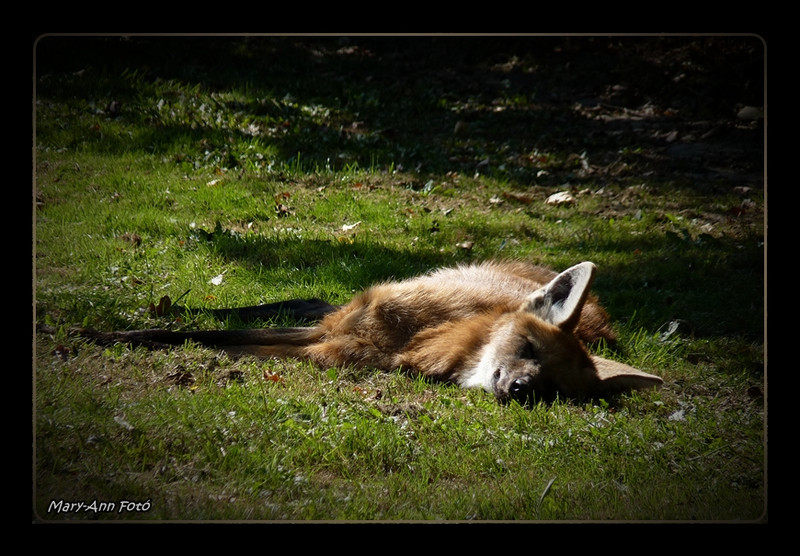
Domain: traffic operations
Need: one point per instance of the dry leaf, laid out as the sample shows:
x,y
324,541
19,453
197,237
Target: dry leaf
x,y
132,238
163,307
123,423
524,198
560,198
750,113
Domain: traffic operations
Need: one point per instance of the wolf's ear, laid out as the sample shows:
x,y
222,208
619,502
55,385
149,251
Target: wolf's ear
x,y
560,302
618,377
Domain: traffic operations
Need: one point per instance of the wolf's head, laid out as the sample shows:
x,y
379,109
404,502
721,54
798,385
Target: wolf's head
x,y
532,352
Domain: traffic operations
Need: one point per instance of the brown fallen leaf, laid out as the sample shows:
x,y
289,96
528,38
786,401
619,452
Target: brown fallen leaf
x,y
132,238
525,198
163,307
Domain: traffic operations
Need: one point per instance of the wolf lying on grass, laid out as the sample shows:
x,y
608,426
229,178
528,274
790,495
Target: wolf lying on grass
x,y
511,328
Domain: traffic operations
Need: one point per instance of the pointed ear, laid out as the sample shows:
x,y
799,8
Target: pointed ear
x,y
560,302
617,377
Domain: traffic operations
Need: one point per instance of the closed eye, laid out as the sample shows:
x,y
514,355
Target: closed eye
x,y
528,352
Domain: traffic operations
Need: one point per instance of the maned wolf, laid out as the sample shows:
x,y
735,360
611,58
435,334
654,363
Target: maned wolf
x,y
511,328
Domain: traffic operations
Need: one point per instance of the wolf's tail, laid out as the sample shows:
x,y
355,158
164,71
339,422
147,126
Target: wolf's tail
x,y
265,342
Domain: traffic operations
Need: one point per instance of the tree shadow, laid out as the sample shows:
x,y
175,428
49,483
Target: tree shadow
x,y
709,291
519,108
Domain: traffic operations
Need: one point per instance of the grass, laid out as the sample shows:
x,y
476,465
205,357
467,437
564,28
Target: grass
x,y
246,171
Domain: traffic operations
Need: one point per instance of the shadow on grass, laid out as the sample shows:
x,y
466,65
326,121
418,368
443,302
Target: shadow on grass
x,y
523,104
355,265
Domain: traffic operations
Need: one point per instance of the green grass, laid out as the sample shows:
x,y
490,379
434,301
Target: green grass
x,y
290,168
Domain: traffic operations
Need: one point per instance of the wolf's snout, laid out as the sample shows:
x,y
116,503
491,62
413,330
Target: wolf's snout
x,y
521,388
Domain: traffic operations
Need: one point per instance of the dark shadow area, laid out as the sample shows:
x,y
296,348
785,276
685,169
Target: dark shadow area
x,y
533,110
711,283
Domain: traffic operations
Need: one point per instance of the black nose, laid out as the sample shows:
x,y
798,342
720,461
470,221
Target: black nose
x,y
520,389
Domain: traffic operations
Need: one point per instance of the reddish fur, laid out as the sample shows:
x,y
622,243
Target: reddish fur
x,y
435,324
